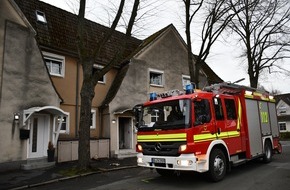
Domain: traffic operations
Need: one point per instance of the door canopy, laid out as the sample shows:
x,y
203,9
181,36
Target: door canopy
x,y
46,109
52,110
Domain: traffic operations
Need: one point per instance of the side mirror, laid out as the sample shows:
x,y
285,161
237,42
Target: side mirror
x,y
137,112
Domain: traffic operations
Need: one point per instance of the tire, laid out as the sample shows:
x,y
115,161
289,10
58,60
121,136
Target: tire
x,y
267,152
164,172
217,165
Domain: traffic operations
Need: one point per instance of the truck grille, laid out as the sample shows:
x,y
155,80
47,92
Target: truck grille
x,y
161,148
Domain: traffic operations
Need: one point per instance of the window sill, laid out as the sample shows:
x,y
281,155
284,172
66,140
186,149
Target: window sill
x,y
101,82
156,85
56,75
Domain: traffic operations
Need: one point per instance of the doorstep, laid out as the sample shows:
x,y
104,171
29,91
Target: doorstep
x,y
37,163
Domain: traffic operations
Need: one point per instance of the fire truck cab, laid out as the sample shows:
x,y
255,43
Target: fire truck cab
x,y
206,130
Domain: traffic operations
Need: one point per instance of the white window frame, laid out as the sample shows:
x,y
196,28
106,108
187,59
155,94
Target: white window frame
x,y
58,58
154,117
40,16
280,126
93,114
185,78
66,131
155,71
96,66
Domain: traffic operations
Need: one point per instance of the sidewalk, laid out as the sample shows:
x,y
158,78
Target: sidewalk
x,y
21,179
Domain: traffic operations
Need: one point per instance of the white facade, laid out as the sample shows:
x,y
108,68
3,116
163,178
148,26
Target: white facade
x,y
283,113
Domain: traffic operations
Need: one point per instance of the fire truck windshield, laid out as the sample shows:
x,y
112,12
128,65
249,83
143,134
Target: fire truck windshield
x,y
165,115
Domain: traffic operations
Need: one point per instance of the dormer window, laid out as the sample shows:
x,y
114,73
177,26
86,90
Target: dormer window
x,y
40,16
282,110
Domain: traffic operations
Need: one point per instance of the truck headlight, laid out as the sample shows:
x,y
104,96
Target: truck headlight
x,y
184,162
139,160
182,148
139,148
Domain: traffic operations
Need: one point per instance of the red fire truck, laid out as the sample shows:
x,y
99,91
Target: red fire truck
x,y
207,130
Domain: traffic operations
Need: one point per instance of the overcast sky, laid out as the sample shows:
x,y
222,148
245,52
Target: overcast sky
x,y
223,59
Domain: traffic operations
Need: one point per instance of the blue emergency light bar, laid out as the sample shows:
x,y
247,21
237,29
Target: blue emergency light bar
x,y
189,88
153,96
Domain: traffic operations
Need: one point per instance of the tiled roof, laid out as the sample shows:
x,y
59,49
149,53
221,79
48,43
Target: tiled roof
x,y
284,97
59,33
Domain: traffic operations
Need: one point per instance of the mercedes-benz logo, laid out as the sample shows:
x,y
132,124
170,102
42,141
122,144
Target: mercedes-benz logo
x,y
158,147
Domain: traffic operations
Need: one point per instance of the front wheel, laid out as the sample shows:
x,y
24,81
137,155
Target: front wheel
x,y
217,165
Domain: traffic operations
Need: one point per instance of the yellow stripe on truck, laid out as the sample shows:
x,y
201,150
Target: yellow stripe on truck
x,y
233,133
162,137
182,137
204,137
209,136
239,114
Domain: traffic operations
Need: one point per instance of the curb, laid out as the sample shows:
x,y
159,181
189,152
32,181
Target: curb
x,y
101,170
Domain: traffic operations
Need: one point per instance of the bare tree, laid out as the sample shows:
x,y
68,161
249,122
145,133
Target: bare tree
x,y
188,19
216,18
263,30
87,59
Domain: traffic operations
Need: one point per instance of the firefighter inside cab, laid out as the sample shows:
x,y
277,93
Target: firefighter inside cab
x,y
207,130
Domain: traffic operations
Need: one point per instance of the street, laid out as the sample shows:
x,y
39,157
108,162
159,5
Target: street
x,y
250,176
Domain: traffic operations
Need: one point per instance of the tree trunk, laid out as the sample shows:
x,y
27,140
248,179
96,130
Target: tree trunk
x,y
90,78
87,95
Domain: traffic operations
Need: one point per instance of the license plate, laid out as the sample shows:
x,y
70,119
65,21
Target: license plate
x,y
158,160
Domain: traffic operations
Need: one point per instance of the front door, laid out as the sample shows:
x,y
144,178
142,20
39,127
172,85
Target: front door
x,y
125,133
38,141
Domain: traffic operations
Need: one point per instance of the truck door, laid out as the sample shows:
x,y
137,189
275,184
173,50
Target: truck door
x,y
232,125
204,128
219,118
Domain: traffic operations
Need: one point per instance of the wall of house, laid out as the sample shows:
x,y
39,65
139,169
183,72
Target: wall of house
x,y
67,88
287,126
6,13
24,81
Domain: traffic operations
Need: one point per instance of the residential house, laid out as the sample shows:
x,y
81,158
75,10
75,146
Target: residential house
x,y
283,111
56,36
157,63
29,102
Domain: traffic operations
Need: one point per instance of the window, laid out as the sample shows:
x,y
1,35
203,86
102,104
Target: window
x,y
40,17
218,108
55,64
201,111
156,78
185,81
174,114
154,117
65,124
98,68
282,126
93,119
231,109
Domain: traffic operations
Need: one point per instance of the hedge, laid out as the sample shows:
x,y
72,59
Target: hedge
x,y
284,135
